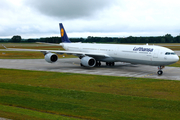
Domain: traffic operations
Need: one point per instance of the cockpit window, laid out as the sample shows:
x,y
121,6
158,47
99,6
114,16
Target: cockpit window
x,y
170,53
167,53
173,53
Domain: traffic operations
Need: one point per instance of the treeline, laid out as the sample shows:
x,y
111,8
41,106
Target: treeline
x,y
168,38
160,39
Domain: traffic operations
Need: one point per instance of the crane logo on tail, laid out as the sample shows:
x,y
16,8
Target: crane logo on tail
x,y
62,32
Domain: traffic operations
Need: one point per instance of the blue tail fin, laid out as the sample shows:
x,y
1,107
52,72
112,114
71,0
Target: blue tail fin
x,y
64,36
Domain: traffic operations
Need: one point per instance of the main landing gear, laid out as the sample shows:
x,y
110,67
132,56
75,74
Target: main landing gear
x,y
98,63
110,63
160,72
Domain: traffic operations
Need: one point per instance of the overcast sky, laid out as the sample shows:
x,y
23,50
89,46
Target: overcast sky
x,y
83,18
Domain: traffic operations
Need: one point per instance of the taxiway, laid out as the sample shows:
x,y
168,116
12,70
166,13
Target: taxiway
x,y
177,52
71,65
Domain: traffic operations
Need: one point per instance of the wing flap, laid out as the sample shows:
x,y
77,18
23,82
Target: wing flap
x,y
97,55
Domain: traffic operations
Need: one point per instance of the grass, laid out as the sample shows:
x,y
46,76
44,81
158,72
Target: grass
x,y
21,114
35,94
173,47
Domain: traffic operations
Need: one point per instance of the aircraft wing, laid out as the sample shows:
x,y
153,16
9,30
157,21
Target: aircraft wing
x,y
48,43
63,52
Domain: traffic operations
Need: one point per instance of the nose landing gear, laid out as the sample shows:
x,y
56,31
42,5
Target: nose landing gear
x,y
160,72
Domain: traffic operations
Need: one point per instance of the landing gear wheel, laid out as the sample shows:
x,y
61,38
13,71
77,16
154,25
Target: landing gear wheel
x,y
160,72
81,65
107,64
110,63
98,63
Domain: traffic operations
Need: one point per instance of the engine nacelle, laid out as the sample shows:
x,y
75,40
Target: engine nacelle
x,y
88,61
51,57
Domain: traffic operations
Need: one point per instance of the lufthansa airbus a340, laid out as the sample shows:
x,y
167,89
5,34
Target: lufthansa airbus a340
x,y
92,54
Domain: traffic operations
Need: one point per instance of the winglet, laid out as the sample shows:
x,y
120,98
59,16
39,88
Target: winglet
x,y
4,46
64,36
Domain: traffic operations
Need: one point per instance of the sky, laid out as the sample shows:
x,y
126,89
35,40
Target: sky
x,y
83,18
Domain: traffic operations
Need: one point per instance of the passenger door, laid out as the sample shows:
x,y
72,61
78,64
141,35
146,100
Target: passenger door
x,y
156,53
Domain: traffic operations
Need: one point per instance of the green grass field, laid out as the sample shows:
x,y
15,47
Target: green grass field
x,y
51,95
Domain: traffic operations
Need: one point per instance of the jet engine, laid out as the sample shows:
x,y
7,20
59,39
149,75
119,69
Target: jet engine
x,y
51,57
88,61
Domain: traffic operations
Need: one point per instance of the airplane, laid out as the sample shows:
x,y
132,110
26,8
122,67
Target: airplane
x,y
92,54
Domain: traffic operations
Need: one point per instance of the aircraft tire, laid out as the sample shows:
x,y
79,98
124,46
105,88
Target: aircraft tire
x,y
98,63
110,64
160,72
81,65
107,64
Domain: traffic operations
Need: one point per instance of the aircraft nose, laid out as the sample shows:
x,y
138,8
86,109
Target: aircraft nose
x,y
176,58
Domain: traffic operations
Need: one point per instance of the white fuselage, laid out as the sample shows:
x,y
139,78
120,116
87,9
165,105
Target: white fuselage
x,y
135,54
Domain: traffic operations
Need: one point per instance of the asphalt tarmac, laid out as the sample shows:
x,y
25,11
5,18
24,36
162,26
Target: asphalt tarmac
x,y
177,52
72,65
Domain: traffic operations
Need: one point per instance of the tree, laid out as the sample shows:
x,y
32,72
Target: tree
x,y
177,39
169,38
16,38
163,40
